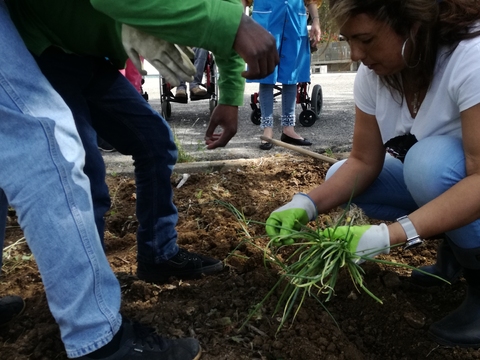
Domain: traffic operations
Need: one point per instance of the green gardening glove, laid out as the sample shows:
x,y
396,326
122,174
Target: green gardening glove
x,y
365,240
291,216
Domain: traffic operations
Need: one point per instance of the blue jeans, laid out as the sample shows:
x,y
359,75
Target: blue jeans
x,y
41,165
289,100
432,166
102,100
199,63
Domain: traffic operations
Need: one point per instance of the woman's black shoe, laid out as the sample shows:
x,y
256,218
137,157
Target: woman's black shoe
x,y
447,267
266,146
298,142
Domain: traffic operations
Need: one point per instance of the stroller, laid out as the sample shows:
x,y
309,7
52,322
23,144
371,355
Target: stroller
x,y
311,105
211,85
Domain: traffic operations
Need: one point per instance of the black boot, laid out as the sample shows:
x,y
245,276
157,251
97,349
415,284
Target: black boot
x,y
462,326
447,267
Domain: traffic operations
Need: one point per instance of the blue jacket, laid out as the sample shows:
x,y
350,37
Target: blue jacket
x,y
286,20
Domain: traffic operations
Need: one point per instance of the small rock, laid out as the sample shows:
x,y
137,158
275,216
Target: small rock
x,y
352,296
415,319
277,344
391,280
331,347
225,321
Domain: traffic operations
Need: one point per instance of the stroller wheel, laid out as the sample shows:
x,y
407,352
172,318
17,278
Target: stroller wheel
x,y
255,116
317,100
307,118
166,110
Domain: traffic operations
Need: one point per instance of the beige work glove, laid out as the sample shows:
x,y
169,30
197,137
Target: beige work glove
x,y
172,61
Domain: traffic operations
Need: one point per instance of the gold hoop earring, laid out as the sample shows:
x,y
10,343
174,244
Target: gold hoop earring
x,y
403,56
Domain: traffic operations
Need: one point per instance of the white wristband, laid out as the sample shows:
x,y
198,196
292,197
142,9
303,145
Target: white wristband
x,y
413,239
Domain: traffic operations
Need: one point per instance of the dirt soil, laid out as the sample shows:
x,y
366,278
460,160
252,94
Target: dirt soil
x,y
213,309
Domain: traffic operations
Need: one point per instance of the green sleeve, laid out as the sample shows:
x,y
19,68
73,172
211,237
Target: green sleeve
x,y
209,24
62,23
231,84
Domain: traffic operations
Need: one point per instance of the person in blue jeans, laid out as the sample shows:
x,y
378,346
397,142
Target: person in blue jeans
x,y
196,93
104,102
42,178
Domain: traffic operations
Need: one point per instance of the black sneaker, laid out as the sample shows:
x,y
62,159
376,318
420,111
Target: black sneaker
x,y
139,342
10,307
184,265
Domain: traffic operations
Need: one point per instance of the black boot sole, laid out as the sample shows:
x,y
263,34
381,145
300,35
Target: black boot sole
x,y
421,280
448,343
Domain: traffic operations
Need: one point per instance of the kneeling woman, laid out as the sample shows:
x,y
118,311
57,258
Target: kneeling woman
x,y
416,149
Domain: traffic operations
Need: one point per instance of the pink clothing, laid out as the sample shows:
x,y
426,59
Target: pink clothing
x,y
132,74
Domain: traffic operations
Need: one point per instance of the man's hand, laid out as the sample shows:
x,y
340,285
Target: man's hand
x,y
226,117
169,59
291,216
365,240
257,47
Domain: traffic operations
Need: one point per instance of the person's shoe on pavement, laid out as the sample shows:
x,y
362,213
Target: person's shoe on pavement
x,y
184,265
135,341
180,94
10,307
293,141
197,93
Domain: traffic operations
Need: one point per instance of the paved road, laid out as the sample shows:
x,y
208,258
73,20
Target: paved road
x,y
332,131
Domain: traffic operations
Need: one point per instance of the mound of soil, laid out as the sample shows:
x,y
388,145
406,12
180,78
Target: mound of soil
x,y
351,326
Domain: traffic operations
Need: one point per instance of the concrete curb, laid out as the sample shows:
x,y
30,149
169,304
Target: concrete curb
x,y
216,165
124,168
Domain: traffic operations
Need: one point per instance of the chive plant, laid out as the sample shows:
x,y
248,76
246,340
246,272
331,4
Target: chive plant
x,y
314,263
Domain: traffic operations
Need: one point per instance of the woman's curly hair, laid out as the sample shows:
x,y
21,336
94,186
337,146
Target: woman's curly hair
x,y
442,23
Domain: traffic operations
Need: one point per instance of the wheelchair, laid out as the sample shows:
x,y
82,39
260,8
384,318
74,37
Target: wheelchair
x,y
311,106
211,85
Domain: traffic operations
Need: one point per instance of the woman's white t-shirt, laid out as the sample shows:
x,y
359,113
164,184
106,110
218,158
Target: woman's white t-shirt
x,y
455,88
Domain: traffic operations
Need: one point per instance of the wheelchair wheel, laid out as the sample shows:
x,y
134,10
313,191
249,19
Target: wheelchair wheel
x,y
212,104
166,110
317,100
255,116
307,118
